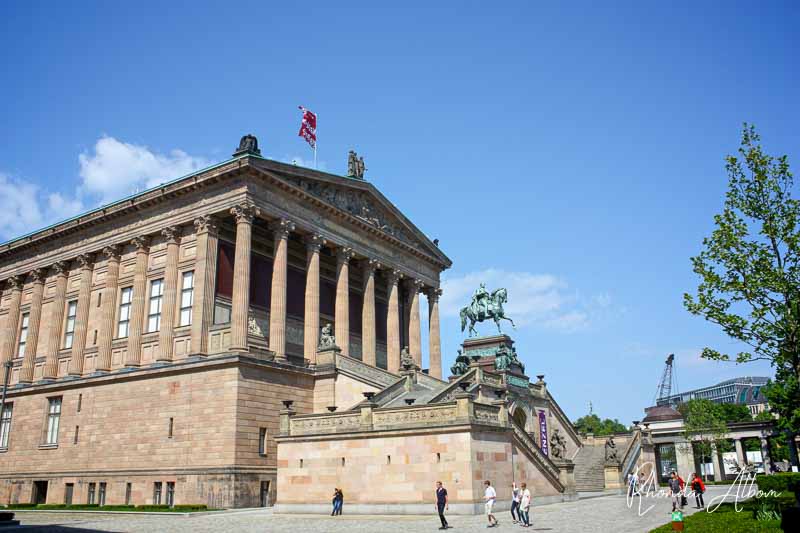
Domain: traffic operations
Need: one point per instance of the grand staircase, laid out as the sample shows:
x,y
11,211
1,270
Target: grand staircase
x,y
589,469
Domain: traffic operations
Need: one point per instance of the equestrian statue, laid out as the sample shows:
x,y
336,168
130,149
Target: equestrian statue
x,y
483,307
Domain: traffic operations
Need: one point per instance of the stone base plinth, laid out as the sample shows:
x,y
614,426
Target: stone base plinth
x,y
613,476
566,474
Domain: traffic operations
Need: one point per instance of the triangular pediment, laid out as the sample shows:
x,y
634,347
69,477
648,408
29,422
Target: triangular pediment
x,y
359,199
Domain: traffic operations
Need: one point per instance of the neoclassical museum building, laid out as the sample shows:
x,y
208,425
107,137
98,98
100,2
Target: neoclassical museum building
x,y
160,350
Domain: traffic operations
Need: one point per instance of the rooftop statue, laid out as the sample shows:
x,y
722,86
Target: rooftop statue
x,y
461,365
355,165
483,307
248,145
406,360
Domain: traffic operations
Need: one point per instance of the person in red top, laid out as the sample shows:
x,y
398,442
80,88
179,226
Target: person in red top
x,y
699,488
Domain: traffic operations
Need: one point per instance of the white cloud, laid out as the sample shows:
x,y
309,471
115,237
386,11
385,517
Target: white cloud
x,y
544,300
25,207
116,169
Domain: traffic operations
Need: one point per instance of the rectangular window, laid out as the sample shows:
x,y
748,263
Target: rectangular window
x,y
90,499
53,419
126,296
171,427
262,441
101,496
69,327
68,489
187,298
170,493
128,490
75,438
154,313
5,424
157,493
23,334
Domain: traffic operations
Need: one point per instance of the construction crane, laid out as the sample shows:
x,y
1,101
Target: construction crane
x,y
664,390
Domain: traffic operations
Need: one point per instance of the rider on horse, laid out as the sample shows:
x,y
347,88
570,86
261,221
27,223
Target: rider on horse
x,y
480,301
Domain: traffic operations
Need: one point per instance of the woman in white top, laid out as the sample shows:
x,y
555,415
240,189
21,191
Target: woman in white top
x,y
515,497
525,506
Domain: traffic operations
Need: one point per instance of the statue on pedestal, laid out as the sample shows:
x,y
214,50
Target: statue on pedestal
x,y
461,365
611,451
558,446
326,338
406,361
483,307
355,165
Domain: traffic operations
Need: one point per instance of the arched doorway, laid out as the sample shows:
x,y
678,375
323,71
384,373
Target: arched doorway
x,y
520,418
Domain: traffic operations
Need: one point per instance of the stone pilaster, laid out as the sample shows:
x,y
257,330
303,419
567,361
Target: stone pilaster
x,y
205,273
109,307
434,334
311,318
368,340
244,215
50,371
34,321
342,309
136,324
414,327
166,334
277,306
393,322
9,345
81,316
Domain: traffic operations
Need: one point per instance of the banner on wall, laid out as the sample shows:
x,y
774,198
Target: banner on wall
x,y
543,432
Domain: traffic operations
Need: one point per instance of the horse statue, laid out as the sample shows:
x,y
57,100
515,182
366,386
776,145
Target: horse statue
x,y
483,307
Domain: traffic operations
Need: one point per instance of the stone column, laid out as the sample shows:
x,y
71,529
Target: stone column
x,y
244,215
393,322
61,269
81,316
434,336
34,321
136,324
342,310
414,329
166,334
277,306
368,340
108,308
741,457
205,273
311,313
9,345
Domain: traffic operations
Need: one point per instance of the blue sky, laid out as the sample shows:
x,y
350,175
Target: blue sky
x,y
573,153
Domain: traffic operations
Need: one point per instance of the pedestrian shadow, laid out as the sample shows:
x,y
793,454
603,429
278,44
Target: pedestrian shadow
x,y
56,528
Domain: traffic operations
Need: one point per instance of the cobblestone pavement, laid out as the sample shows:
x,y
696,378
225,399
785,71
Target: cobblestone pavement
x,y
603,514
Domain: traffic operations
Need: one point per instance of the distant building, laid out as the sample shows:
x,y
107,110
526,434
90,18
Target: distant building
x,y
745,390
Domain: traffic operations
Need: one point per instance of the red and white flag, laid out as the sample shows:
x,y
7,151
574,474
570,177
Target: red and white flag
x,y
308,128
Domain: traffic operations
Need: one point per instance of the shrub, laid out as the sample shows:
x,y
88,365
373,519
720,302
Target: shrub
x,y
780,482
118,508
190,507
21,506
150,508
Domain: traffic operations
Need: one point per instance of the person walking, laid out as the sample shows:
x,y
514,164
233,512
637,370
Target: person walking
x,y
631,483
675,490
699,488
442,504
489,495
335,500
338,500
525,506
515,496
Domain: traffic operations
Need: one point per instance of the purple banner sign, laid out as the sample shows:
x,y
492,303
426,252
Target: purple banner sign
x,y
543,432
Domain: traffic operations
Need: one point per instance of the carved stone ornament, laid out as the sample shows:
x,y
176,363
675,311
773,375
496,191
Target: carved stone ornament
x,y
141,243
15,283
314,242
433,294
371,265
406,360
461,366
38,275
253,326
282,228
394,276
326,338
85,261
558,446
245,213
359,204
611,451
205,223
248,144
171,234
344,254
61,268
112,252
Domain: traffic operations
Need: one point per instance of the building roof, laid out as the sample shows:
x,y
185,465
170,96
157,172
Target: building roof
x,y
661,413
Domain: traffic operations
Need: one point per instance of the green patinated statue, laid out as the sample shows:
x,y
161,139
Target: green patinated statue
x,y
504,358
483,307
461,365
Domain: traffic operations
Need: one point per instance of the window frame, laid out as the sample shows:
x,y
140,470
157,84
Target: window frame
x,y
157,488
69,324
53,420
158,300
185,309
6,417
22,337
124,311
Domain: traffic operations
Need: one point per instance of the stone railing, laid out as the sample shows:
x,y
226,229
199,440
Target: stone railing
x,y
438,415
631,454
325,424
448,394
555,408
357,368
429,381
535,453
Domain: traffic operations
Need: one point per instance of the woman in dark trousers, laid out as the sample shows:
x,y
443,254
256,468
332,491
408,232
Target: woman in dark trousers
x,y
338,498
699,488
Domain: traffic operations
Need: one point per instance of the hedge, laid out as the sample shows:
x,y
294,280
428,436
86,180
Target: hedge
x,y
779,482
186,508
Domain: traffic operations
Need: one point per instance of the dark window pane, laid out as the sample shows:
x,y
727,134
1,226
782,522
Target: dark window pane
x,y
260,280
295,292
327,297
225,260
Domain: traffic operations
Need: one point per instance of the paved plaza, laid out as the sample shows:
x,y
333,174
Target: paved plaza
x,y
601,514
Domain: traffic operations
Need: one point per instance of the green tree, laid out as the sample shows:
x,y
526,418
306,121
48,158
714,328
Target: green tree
x,y
749,272
593,424
764,416
703,426
734,412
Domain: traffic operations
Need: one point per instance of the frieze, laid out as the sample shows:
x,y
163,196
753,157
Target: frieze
x,y
517,381
410,416
487,414
357,203
325,424
492,379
